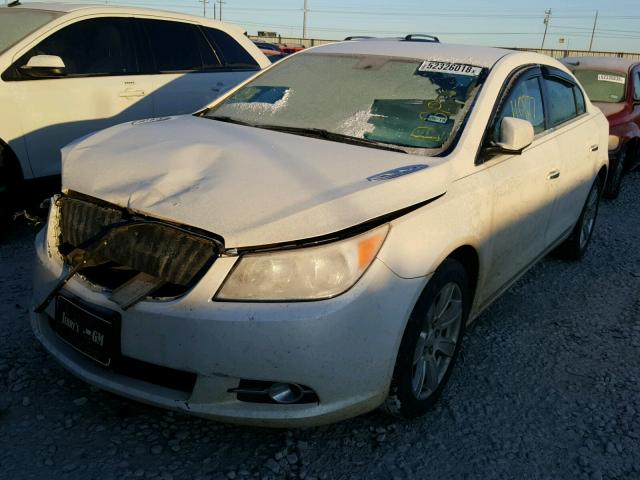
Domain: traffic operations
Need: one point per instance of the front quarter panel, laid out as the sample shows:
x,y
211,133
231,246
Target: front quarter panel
x,y
420,241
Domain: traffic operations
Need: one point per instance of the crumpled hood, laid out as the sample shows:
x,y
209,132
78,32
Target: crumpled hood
x,y
251,186
609,109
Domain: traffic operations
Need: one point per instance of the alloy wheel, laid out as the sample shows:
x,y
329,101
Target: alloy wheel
x,y
437,341
589,217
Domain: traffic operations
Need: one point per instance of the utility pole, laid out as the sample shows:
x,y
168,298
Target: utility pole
x,y
593,32
204,7
220,3
547,18
304,19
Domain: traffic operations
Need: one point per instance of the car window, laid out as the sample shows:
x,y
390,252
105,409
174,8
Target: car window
x,y
561,101
580,105
232,52
179,47
636,84
96,47
523,101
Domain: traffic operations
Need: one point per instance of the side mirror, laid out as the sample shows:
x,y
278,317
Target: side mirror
x,y
44,66
515,135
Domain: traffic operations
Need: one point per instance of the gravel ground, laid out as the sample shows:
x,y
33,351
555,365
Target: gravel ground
x,y
547,387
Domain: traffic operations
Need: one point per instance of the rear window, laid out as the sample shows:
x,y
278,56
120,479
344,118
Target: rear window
x,y
15,24
179,47
233,54
603,86
562,103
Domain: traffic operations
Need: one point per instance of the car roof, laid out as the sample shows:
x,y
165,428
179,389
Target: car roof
x,y
599,63
57,7
101,8
446,52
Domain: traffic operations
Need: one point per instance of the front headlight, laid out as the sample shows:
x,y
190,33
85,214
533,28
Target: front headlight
x,y
310,273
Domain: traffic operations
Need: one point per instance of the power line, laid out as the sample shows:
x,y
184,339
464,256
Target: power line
x,y
398,19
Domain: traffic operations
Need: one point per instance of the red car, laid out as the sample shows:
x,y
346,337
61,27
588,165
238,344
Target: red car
x,y
271,50
613,85
290,48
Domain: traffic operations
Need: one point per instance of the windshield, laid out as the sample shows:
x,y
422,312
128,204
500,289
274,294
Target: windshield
x,y
413,104
601,86
15,24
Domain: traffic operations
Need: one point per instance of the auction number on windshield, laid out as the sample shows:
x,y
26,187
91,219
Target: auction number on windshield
x,y
454,68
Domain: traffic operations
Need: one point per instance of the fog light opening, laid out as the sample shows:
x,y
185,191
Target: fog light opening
x,y
280,393
286,392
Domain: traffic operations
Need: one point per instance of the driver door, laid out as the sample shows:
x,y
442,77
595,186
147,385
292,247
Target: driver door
x,y
524,186
102,87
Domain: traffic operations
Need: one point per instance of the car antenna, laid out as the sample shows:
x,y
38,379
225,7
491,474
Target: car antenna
x,y
15,3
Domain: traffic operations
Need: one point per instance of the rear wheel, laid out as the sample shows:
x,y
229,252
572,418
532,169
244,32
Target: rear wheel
x,y
576,245
431,342
612,189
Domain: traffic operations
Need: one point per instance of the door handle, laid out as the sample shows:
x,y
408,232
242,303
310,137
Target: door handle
x,y
553,174
132,93
594,148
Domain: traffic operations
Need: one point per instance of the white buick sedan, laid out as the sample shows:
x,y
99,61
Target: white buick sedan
x,y
312,245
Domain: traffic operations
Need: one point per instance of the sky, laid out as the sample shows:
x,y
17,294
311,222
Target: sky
x,y
505,23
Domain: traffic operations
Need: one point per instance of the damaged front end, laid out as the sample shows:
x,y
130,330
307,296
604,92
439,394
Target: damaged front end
x,y
128,255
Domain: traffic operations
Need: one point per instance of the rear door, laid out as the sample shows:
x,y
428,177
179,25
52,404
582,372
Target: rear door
x,y
523,186
573,131
192,65
103,87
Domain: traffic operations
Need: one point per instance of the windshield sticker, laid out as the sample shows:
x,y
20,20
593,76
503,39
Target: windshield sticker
x,y
446,67
602,77
433,134
440,118
260,94
397,172
259,100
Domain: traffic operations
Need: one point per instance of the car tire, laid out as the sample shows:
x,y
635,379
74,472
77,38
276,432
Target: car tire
x,y
574,247
614,182
431,342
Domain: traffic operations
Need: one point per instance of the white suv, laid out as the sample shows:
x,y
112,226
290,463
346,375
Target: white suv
x,y
68,70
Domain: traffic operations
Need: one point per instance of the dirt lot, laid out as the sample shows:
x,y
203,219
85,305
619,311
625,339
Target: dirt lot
x,y
548,387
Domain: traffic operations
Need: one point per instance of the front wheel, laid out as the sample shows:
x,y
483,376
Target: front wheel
x,y
431,342
576,245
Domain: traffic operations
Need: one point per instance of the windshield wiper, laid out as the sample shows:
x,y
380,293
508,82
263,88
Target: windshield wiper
x,y
313,132
230,120
327,135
